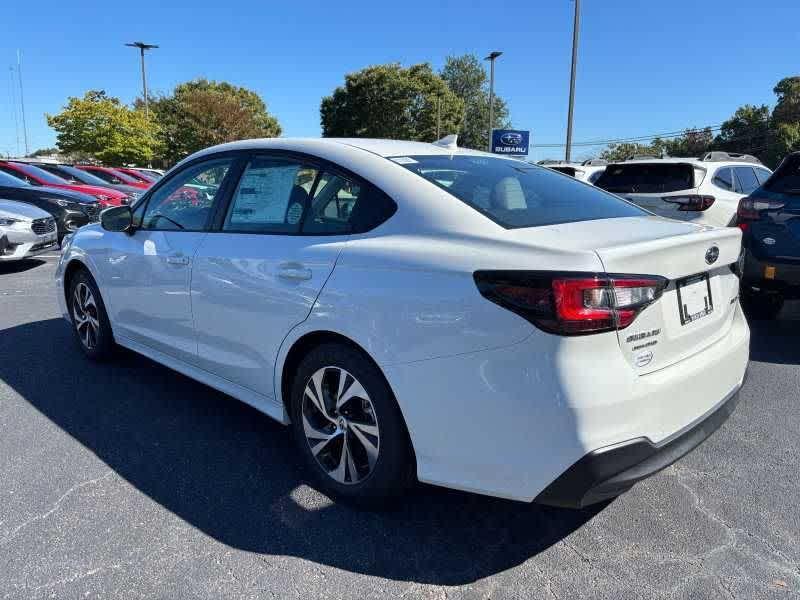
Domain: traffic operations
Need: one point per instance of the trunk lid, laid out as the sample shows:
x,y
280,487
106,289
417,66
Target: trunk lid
x,y
661,335
697,307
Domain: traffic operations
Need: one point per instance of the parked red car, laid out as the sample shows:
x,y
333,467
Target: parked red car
x,y
36,176
114,176
138,175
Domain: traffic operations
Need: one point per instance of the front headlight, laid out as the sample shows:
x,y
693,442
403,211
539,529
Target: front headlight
x,y
8,221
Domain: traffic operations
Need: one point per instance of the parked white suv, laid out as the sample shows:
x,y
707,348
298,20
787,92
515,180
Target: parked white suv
x,y
25,231
588,170
703,190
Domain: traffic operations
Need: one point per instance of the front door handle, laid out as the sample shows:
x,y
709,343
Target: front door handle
x,y
178,260
294,273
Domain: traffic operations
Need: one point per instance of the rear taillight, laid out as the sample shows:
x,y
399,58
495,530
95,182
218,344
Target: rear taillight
x,y
571,303
750,208
691,202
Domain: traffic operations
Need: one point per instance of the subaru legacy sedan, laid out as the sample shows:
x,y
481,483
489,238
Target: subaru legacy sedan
x,y
418,311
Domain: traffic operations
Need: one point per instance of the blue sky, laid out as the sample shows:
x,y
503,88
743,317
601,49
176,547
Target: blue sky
x,y
644,67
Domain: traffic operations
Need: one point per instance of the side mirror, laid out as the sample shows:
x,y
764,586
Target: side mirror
x,y
117,218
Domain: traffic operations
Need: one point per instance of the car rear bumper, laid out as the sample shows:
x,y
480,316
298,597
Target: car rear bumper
x,y
610,471
510,421
784,276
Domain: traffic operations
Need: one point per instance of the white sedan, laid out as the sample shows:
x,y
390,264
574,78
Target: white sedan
x,y
420,311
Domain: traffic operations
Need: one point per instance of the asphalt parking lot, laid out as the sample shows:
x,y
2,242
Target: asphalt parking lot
x,y
129,480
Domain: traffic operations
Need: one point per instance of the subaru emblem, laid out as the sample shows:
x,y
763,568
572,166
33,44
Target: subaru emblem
x,y
511,139
712,254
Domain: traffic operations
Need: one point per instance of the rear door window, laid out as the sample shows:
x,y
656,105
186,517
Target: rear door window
x,y
723,179
746,179
647,178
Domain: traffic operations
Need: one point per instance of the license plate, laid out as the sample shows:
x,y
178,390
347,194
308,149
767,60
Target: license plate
x,y
694,298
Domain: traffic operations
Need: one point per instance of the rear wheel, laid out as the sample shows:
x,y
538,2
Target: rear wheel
x,y
349,428
762,306
89,318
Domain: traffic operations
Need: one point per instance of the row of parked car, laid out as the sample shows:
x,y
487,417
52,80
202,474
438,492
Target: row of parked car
x,y
41,202
720,189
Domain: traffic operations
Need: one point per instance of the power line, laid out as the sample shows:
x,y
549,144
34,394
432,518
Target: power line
x,y
666,135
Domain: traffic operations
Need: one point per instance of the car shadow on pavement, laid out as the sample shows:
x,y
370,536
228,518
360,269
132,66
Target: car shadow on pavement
x,y
778,340
231,472
20,266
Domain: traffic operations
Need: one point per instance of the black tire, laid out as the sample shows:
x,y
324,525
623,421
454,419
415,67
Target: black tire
x,y
101,339
393,471
762,306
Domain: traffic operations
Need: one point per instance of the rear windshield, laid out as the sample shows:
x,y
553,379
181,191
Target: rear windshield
x,y
646,178
786,180
516,194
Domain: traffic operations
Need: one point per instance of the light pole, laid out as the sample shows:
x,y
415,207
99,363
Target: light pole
x,y
142,47
491,58
575,30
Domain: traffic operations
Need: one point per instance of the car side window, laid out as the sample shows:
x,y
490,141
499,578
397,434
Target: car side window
x,y
342,205
184,203
746,178
723,179
272,196
762,175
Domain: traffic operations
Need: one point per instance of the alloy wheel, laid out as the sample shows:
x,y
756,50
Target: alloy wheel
x,y
340,425
85,315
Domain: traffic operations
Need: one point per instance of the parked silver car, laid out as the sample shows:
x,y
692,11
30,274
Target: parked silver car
x,y
25,231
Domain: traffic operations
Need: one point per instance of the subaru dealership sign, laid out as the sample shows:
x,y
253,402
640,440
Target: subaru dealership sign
x,y
510,141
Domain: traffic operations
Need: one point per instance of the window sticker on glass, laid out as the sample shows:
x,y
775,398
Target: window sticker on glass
x,y
403,160
263,193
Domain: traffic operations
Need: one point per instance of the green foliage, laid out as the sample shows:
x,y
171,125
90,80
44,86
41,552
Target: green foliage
x,y
466,78
203,113
624,150
390,101
102,127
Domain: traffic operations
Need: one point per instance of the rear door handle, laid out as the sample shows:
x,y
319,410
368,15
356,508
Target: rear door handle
x,y
294,273
178,260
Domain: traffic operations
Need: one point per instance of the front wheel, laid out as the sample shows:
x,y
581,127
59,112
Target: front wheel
x,y
89,318
349,428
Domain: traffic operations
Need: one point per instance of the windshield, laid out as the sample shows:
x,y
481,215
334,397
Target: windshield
x,y
11,181
786,180
646,178
41,174
516,194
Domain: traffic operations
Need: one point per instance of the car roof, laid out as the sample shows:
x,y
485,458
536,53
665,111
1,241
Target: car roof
x,y
380,147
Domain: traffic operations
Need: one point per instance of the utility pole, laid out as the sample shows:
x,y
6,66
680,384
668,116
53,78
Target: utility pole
x,y
575,30
22,101
12,96
491,58
142,47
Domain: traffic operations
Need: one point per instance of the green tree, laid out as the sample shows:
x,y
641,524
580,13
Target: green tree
x,y
747,131
466,78
623,150
202,113
391,101
692,142
102,127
